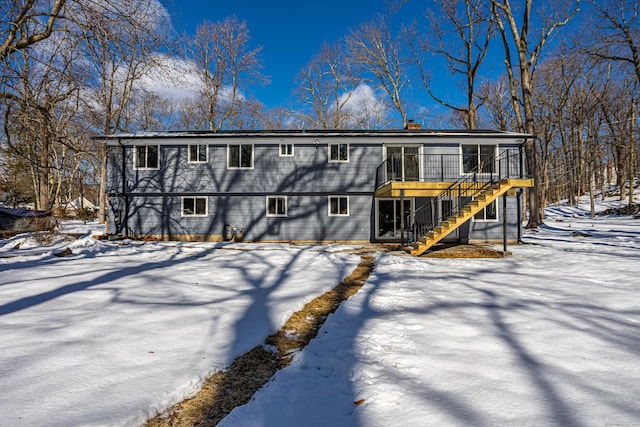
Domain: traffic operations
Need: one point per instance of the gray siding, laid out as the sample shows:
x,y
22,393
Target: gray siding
x,y
307,218
308,171
493,230
150,201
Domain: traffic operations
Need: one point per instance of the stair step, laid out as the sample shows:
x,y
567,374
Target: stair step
x,y
454,221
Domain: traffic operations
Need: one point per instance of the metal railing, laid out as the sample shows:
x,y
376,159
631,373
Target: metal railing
x,y
446,167
450,202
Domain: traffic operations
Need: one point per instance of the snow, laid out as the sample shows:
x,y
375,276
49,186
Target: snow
x,y
119,330
116,332
547,337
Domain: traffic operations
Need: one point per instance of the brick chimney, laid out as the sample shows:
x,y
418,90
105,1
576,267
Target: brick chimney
x,y
412,126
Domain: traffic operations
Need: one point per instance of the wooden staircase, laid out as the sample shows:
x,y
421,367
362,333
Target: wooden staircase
x,y
479,202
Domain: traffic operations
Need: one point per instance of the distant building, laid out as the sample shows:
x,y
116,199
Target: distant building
x,y
22,220
316,186
72,208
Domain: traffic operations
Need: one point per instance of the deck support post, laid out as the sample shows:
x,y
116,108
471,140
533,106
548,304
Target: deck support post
x,y
504,223
402,220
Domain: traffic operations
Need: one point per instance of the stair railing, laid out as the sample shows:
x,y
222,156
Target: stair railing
x,y
472,183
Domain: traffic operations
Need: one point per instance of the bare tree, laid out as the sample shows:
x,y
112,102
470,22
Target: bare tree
x,y
617,39
616,104
27,25
325,86
382,56
39,90
226,65
528,48
462,40
497,104
119,39
30,22
617,36
279,118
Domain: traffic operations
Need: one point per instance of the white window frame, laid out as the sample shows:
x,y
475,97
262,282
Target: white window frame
x,y
240,156
276,214
338,199
484,214
146,167
286,147
338,160
385,156
195,202
478,156
197,160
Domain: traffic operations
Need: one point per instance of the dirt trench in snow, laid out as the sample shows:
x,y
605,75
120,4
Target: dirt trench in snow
x,y
225,390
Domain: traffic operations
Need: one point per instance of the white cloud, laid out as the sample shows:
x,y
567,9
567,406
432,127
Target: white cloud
x,y
172,78
175,79
363,106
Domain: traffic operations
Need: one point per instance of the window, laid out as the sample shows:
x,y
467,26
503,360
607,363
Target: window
x,y
338,206
478,158
338,152
276,206
194,206
146,156
286,150
403,162
198,153
490,213
240,156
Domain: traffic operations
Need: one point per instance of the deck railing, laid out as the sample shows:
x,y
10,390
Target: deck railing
x,y
448,167
450,202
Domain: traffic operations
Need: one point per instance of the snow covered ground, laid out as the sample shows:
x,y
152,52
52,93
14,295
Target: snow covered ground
x,y
547,337
114,333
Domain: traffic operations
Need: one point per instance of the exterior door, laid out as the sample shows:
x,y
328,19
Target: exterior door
x,y
389,217
404,164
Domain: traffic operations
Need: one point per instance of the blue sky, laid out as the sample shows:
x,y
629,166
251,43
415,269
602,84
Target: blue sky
x,y
290,32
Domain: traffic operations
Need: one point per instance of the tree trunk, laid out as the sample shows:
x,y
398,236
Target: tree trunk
x,y
44,174
592,189
530,147
632,153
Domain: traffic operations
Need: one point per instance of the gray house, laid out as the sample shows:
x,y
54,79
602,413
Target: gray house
x,y
412,184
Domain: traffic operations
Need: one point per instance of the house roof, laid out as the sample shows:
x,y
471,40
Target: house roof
x,y
423,133
23,213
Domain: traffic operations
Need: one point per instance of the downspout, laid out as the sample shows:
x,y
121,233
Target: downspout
x,y
125,220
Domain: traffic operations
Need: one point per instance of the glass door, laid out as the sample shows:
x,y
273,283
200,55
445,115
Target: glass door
x,y
389,218
404,164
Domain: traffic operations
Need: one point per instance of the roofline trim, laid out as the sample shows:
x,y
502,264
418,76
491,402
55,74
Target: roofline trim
x,y
315,133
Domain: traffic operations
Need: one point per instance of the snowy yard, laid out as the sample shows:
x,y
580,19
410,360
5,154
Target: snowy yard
x,y
112,334
546,337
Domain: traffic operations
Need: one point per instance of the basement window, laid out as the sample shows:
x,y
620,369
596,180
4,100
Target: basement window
x,y
338,206
489,213
194,206
276,206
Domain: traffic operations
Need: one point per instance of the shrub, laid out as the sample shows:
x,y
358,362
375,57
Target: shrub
x,y
85,214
